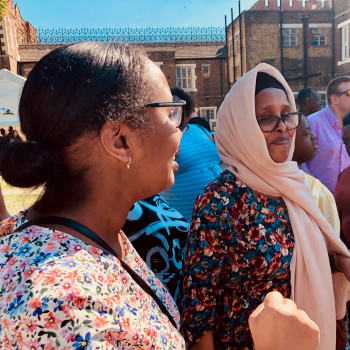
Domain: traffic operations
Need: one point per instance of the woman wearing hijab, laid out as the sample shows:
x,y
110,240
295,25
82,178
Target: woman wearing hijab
x,y
256,228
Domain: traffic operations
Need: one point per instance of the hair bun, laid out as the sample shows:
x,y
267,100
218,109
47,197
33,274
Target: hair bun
x,y
27,164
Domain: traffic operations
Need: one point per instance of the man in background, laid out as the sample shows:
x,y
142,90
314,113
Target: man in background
x,y
327,124
309,101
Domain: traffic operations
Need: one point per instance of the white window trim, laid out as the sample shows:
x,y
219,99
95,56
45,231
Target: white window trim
x,y
319,35
320,25
158,63
344,28
342,24
340,63
291,25
194,77
289,35
208,108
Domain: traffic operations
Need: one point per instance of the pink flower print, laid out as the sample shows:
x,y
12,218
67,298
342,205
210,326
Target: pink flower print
x,y
125,279
28,273
23,264
30,326
33,344
5,249
70,337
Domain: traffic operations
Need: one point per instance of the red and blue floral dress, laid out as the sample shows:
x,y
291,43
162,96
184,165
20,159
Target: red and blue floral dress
x,y
240,247
57,292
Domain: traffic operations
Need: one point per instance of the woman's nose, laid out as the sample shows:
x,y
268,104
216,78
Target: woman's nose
x,y
282,126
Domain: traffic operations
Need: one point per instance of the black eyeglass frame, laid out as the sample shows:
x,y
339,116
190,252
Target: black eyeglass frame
x,y
282,118
181,103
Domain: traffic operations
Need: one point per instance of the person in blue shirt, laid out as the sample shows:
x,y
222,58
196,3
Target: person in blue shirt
x,y
198,162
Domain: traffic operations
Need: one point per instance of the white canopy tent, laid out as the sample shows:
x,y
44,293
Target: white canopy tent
x,y
11,86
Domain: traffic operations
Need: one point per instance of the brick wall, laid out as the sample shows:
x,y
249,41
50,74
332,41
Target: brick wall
x,y
210,90
341,15
261,43
168,64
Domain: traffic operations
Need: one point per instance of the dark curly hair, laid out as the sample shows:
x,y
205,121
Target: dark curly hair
x,y
70,92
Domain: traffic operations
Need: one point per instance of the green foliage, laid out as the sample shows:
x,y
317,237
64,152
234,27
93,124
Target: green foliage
x,y
3,9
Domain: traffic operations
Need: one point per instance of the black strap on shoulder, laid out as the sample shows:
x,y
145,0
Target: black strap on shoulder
x,y
93,236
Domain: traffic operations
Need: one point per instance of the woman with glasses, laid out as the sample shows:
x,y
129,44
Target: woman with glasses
x,y
256,228
69,276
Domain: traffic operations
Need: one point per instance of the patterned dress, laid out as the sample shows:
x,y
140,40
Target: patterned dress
x,y
56,292
240,246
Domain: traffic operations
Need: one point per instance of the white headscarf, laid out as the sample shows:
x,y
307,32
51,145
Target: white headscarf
x,y
242,145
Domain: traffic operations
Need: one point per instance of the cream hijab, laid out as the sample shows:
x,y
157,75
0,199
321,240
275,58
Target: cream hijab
x,y
241,144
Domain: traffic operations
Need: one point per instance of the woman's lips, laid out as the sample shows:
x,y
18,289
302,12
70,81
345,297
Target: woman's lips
x,y
316,146
281,141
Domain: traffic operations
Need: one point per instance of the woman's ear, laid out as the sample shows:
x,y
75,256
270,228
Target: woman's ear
x,y
113,137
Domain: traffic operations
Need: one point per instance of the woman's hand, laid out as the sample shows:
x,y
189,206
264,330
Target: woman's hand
x,y
342,264
278,324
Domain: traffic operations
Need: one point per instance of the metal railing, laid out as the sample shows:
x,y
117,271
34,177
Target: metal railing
x,y
142,36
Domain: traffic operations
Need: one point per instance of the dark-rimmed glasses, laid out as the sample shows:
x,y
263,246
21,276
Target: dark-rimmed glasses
x,y
178,113
270,122
347,92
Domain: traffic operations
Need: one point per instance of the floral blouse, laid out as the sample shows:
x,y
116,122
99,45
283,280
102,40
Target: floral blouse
x,y
56,292
240,246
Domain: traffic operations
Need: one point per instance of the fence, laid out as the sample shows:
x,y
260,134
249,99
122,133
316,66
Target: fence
x,y
148,36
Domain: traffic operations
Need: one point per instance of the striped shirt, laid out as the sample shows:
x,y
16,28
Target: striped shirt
x,y
331,158
198,162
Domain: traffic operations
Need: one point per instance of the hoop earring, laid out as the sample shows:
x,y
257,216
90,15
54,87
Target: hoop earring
x,y
128,165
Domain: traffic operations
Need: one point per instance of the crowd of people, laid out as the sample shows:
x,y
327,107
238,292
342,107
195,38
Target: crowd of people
x,y
153,232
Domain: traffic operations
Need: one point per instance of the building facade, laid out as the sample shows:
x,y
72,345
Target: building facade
x,y
198,68
14,30
296,39
342,36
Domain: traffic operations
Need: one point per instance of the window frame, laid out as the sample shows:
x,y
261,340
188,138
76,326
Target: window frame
x,y
289,36
345,42
209,70
238,41
191,78
209,108
318,36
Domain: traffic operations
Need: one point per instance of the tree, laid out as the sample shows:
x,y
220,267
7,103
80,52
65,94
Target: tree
x,y
3,9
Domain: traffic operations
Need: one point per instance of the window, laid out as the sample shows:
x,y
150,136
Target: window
x,y
12,39
159,64
185,77
238,42
231,45
206,70
345,42
319,37
290,37
208,113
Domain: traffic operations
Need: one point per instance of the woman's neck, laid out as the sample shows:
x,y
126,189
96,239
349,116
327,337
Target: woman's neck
x,y
104,213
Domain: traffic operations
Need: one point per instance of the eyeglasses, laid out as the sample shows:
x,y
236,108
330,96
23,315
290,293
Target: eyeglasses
x,y
344,93
269,123
178,113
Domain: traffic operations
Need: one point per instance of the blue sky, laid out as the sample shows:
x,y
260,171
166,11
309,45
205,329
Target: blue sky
x,y
47,14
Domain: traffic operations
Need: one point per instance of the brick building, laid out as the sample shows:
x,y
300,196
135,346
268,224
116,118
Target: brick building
x,y
304,27
13,31
342,36
198,68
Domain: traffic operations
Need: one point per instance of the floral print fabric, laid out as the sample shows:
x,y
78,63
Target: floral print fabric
x,y
56,292
240,246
